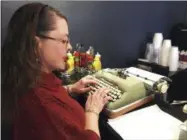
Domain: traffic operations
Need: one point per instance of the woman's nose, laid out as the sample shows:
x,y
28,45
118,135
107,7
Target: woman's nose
x,y
69,47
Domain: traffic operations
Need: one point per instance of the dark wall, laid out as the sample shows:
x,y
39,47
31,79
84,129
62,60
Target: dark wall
x,y
118,30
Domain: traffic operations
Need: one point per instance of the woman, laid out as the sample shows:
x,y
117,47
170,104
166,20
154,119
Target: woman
x,y
41,109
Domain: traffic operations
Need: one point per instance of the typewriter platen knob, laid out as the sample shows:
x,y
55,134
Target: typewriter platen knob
x,y
161,87
185,108
164,88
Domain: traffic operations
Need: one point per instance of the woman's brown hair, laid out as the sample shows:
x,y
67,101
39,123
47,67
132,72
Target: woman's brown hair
x,y
20,59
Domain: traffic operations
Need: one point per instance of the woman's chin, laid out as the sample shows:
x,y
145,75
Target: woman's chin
x,y
61,67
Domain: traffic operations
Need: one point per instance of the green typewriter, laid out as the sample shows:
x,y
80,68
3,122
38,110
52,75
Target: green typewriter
x,y
129,88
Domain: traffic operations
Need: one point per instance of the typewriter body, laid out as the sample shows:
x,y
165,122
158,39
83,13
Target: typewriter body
x,y
129,88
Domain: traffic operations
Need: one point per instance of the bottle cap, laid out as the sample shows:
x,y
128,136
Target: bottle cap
x,y
98,55
88,52
69,54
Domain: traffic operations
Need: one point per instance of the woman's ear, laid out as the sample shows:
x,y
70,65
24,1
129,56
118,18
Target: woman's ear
x,y
38,46
38,41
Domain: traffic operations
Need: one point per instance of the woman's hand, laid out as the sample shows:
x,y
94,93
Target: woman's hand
x,y
97,100
94,105
81,85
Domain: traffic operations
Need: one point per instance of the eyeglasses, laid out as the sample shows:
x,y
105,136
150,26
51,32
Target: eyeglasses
x,y
65,42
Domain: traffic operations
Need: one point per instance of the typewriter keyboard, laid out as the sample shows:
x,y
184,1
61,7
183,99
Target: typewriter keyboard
x,y
115,93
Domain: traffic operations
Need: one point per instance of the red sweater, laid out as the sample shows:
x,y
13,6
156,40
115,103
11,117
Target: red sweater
x,y
49,113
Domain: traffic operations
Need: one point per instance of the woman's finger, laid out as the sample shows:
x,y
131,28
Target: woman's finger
x,y
105,92
100,92
89,81
86,89
106,99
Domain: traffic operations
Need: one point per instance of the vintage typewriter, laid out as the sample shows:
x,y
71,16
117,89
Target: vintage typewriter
x,y
130,88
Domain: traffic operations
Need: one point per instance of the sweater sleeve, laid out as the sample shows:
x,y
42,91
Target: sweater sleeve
x,y
48,113
62,122
48,119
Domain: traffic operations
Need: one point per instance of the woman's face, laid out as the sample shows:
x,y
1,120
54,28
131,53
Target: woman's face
x,y
53,51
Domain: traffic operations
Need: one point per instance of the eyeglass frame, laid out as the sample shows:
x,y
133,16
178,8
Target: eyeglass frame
x,y
63,41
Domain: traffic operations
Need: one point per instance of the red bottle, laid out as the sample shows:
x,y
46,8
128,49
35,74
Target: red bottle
x,y
83,59
77,59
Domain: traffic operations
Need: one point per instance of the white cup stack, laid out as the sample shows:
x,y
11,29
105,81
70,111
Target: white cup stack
x,y
164,52
173,59
157,43
149,52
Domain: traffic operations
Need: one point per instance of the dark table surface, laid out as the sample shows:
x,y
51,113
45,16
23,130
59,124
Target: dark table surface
x,y
107,132
174,110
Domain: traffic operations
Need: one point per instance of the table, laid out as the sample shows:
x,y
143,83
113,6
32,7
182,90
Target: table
x,y
175,111
107,132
